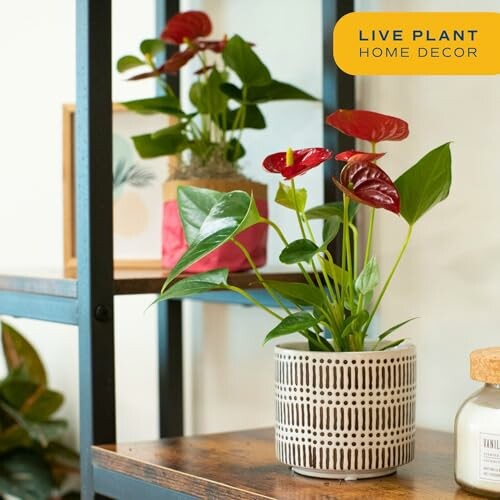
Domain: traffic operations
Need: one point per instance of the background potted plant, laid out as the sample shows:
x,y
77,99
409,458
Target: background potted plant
x,y
206,138
345,403
34,463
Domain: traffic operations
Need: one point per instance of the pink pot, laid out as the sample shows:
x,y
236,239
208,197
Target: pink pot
x,y
228,255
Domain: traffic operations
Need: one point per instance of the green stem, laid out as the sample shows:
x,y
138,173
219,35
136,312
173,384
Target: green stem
x,y
252,300
299,218
285,242
347,243
355,248
259,276
389,278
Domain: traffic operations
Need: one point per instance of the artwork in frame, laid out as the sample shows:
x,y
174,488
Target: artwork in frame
x,y
137,192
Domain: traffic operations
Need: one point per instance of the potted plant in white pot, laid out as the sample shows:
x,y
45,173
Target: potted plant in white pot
x,y
345,402
206,138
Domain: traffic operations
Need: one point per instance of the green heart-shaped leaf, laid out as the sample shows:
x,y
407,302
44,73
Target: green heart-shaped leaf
x,y
194,206
240,57
129,62
152,46
301,250
151,146
233,213
425,184
298,293
293,323
198,283
167,104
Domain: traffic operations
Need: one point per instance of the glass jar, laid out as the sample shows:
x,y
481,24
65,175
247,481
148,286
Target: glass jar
x,y
477,428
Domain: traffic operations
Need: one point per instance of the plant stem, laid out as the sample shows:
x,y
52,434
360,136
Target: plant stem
x,y
299,218
252,300
268,289
389,278
355,249
347,243
282,237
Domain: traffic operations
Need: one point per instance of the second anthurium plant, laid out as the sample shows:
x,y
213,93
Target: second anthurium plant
x,y
230,84
335,304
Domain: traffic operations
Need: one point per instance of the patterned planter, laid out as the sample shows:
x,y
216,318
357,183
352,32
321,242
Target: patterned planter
x,y
345,415
228,255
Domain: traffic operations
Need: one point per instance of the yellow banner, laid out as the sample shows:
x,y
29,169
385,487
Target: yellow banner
x,y
418,43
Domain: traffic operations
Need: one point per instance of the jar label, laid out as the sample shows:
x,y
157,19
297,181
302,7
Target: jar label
x,y
489,457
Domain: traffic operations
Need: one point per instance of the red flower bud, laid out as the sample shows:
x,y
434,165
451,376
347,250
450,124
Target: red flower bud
x,y
368,184
188,25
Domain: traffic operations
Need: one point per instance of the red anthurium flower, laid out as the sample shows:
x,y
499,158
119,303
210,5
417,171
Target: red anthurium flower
x,y
188,25
299,161
368,184
368,125
353,156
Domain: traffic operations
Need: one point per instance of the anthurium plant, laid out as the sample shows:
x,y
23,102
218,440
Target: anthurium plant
x,y
34,463
230,86
335,304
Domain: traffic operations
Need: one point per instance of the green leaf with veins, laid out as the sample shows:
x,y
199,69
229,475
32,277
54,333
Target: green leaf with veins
x,y
301,250
368,279
291,324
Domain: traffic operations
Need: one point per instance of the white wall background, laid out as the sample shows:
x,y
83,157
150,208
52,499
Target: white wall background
x,y
449,277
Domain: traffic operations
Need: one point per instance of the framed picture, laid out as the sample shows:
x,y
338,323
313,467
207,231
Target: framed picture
x,y
137,192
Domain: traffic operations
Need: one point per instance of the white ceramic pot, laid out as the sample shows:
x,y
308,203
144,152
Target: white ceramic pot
x,y
348,415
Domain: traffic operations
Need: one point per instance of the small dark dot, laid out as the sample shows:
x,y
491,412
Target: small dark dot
x,y
362,361
362,443
378,361
337,444
345,443
337,434
337,361
346,394
346,435
321,360
329,361
362,435
329,443
345,361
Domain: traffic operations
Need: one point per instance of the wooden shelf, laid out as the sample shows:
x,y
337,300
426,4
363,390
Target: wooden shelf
x,y
242,465
127,281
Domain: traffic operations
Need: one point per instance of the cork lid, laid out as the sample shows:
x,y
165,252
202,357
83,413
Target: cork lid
x,y
485,365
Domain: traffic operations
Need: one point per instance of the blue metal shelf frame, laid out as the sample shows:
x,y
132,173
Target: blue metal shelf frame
x,y
94,232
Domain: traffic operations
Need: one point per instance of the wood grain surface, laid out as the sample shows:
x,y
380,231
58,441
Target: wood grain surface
x,y
242,465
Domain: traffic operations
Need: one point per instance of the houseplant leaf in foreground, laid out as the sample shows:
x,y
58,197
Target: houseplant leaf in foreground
x,y
198,283
425,184
295,322
234,212
194,206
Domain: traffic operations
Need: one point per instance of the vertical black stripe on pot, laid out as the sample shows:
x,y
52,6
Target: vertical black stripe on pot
x,y
315,411
320,371
382,418
370,418
356,422
349,377
335,458
335,375
377,417
314,376
341,375
335,422
308,414
320,465
355,369
349,459
382,377
321,420
370,458
294,457
389,456
363,377
377,453
400,414
389,380
307,366
327,377
363,412
377,376
341,411
363,458
370,377
382,458
356,455
400,378
341,455
349,419
312,457
302,416
328,452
